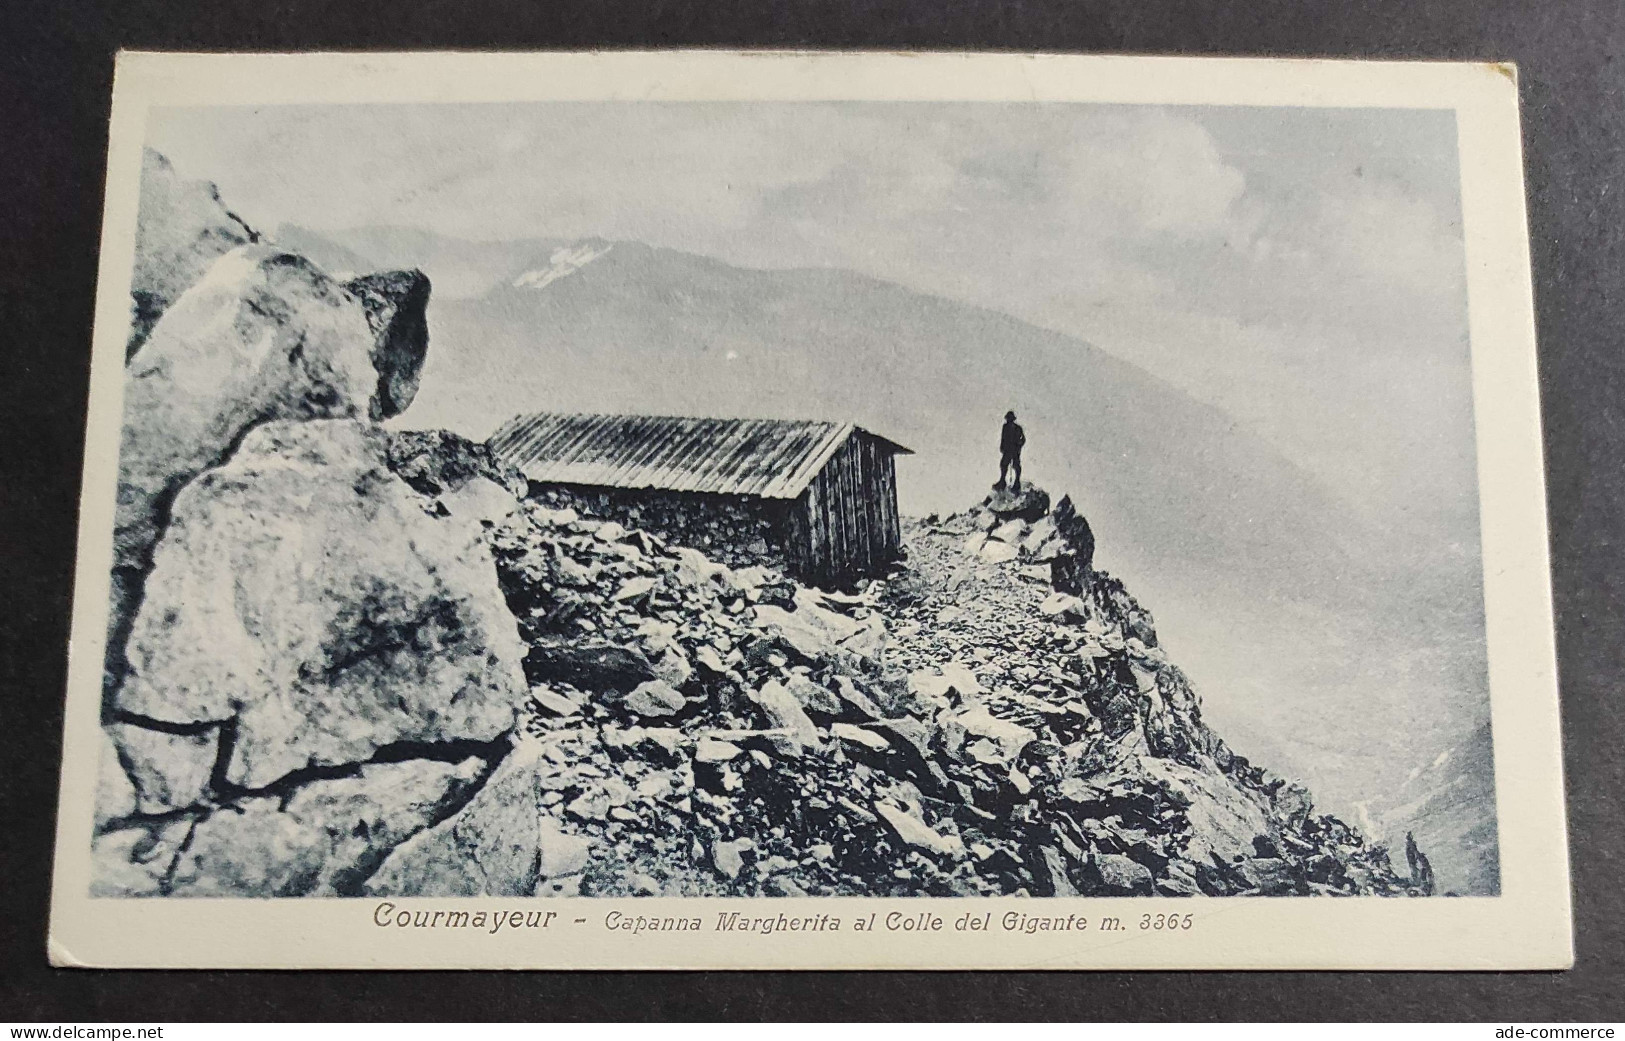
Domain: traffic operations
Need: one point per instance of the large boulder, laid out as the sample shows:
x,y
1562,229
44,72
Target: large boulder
x,y
181,227
438,461
305,600
116,796
167,771
262,336
784,712
1028,504
396,303
310,660
503,843
322,838
1117,875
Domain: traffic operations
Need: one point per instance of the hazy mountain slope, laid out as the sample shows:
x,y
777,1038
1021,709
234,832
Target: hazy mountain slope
x,y
1442,802
1352,651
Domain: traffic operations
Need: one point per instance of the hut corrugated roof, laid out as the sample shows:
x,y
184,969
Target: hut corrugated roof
x,y
770,458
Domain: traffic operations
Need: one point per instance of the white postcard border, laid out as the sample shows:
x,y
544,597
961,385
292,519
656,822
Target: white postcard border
x,y
1526,927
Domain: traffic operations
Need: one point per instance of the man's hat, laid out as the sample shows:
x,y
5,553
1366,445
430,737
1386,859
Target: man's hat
x,y
1010,416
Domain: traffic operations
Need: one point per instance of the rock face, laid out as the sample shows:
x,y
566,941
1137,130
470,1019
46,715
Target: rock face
x,y
322,838
182,227
310,659
262,336
303,597
322,667
395,302
167,770
438,461
505,842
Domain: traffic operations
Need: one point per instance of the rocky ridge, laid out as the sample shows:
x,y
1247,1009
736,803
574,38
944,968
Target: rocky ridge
x,y
959,729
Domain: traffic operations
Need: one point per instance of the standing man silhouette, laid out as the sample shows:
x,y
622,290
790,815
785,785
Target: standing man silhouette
x,y
1011,440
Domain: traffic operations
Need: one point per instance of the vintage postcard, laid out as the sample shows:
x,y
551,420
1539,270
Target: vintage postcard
x,y
700,509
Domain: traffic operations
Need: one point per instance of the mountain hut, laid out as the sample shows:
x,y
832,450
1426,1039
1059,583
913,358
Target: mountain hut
x,y
817,498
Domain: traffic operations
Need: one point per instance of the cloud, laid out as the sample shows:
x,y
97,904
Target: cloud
x,y
1161,170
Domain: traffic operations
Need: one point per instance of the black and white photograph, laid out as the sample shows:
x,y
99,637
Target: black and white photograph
x,y
577,501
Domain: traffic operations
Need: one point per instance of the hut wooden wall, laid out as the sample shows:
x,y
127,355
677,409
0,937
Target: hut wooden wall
x,y
845,524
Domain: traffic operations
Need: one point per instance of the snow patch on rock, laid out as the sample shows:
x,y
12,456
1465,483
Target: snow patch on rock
x,y
564,261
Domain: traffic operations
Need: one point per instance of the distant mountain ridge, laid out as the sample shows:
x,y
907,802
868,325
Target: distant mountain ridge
x,y
458,267
1306,629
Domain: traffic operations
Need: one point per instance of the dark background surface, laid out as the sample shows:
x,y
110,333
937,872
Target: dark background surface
x,y
55,88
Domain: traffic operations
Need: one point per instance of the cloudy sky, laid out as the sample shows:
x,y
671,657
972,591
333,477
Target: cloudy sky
x,y
1300,268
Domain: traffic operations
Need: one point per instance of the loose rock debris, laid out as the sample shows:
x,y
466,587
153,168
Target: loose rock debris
x,y
961,728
